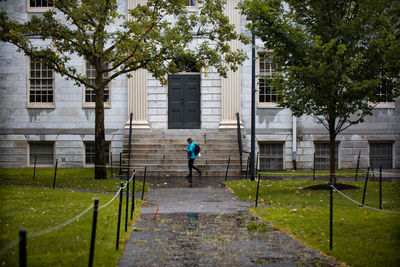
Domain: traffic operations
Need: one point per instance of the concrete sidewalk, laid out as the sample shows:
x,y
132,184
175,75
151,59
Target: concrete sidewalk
x,y
208,226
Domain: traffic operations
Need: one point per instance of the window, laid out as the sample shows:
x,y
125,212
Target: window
x,y
271,156
39,5
42,153
191,6
191,3
267,71
381,154
322,156
90,153
90,96
41,87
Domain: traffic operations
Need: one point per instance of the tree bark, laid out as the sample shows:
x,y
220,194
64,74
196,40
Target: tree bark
x,y
100,159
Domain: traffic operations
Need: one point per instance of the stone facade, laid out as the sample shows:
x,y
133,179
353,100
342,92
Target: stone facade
x,y
69,125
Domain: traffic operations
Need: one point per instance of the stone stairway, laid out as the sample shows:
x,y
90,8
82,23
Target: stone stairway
x,y
162,152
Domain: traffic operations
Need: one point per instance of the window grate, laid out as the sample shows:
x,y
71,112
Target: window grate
x,y
271,156
381,155
44,153
322,156
90,154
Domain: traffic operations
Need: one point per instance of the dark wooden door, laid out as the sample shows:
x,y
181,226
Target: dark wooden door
x,y
184,101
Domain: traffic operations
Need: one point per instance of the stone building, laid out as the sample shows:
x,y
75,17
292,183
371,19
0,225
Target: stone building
x,y
45,117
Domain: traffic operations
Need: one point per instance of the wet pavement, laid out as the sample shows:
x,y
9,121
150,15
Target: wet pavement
x,y
207,226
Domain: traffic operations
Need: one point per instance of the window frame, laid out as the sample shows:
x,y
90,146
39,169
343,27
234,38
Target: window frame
x,y
30,104
90,165
37,9
31,164
93,104
259,77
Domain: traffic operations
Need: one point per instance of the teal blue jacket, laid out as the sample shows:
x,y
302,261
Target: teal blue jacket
x,y
190,151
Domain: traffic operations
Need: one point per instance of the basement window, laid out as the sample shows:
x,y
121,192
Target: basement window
x,y
322,156
271,156
42,153
90,154
381,155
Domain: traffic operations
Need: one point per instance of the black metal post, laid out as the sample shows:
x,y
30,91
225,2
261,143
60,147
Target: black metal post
x,y
372,169
127,202
93,237
144,181
55,174
380,187
365,187
253,107
119,213
112,171
331,219
239,135
120,163
34,169
258,187
22,247
129,166
133,193
227,167
358,165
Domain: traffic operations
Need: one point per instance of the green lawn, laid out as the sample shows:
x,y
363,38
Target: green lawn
x,y
361,237
81,178
37,209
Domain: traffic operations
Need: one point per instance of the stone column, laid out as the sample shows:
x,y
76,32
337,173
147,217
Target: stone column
x,y
231,86
137,91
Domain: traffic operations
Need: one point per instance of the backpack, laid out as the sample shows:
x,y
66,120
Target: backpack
x,y
196,149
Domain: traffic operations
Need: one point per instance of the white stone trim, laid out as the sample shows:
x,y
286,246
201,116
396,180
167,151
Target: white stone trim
x,y
231,86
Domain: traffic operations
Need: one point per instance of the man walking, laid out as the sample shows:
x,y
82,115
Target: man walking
x,y
191,157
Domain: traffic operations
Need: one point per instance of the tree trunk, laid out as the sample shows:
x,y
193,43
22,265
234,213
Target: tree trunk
x,y
100,158
332,138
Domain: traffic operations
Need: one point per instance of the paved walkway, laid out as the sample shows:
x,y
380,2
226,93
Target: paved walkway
x,y
207,226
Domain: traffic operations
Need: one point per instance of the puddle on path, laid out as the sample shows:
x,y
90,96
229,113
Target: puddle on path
x,y
192,239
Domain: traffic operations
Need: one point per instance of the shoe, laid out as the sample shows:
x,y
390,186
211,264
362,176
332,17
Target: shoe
x,y
199,174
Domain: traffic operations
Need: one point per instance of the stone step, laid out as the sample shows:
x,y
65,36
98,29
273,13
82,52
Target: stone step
x,y
163,152
217,152
182,173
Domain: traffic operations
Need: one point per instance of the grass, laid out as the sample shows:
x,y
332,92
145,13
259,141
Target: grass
x,y
78,178
37,209
361,237
309,173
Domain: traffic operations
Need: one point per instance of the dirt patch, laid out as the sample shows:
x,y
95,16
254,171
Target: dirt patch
x,y
338,186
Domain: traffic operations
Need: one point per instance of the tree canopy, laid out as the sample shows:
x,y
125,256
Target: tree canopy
x,y
337,58
151,36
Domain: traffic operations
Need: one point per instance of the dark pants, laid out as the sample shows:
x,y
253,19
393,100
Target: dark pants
x,y
191,167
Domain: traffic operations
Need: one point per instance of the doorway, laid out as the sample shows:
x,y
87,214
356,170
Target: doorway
x,y
184,101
